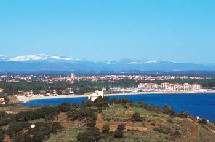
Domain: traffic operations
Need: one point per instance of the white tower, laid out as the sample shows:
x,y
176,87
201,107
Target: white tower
x,y
72,75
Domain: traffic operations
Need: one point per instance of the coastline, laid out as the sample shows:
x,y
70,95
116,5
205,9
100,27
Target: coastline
x,y
24,99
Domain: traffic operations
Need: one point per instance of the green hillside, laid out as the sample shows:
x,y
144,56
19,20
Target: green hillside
x,y
104,120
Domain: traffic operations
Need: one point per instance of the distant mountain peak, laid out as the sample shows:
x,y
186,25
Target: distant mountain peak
x,y
39,57
150,62
29,58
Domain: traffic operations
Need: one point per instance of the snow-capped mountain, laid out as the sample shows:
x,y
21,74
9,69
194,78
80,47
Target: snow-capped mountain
x,y
39,57
131,61
150,62
29,58
42,62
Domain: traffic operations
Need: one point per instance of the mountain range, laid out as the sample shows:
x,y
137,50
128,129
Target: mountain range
x,y
42,62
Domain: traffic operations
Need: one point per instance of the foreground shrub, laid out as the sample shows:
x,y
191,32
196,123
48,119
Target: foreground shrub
x,y
1,135
136,117
64,107
41,132
167,110
203,121
119,132
90,135
16,127
106,128
47,112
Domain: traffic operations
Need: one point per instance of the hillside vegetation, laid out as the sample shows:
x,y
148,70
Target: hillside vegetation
x,y
117,120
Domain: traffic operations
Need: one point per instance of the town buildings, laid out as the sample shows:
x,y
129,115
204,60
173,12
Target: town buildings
x,y
166,86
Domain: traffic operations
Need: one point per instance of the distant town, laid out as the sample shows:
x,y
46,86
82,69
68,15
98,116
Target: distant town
x,y
40,86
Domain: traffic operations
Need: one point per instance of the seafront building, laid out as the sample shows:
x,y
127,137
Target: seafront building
x,y
148,86
166,86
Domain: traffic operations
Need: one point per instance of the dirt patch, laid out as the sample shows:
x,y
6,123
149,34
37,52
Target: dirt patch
x,y
62,117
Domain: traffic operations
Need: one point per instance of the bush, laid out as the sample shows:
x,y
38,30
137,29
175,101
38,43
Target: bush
x,y
90,135
183,115
47,112
2,114
1,136
101,102
106,128
163,130
121,101
16,127
121,127
152,124
118,134
39,133
64,107
8,118
176,134
91,123
170,120
83,113
203,121
167,110
136,117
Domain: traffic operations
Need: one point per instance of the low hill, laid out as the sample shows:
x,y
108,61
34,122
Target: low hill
x,y
116,120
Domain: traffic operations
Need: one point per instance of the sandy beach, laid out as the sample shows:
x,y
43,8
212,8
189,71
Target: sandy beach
x,y
25,99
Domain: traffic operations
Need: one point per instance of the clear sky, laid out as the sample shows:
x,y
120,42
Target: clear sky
x,y
174,30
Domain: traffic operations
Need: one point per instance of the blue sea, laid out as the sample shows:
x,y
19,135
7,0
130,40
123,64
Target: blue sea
x,y
202,105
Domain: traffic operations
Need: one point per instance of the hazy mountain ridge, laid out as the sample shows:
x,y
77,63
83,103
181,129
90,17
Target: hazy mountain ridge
x,y
42,62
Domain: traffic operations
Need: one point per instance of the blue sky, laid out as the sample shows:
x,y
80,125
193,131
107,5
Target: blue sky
x,y
174,30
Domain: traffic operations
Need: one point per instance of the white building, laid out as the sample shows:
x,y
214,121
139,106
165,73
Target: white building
x,y
95,95
196,87
1,90
148,86
187,87
2,101
165,85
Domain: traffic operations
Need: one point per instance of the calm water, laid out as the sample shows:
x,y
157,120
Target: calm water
x,y
202,105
